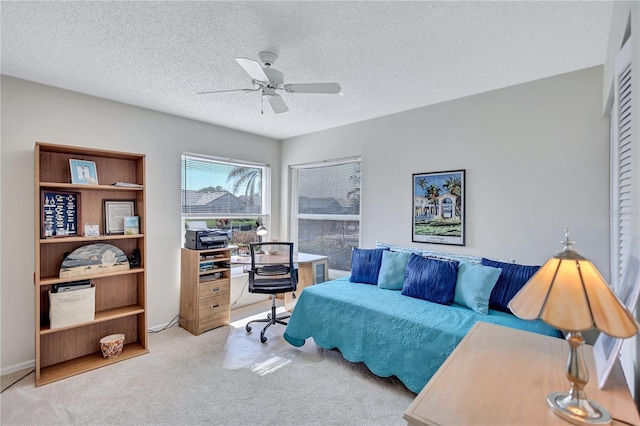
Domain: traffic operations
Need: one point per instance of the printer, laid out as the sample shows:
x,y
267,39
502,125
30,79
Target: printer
x,y
202,239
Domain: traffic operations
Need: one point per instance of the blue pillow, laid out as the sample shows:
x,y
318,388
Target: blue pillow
x,y
391,276
430,279
474,285
365,265
512,278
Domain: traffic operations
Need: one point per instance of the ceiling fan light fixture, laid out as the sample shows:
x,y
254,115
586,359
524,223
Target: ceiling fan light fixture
x,y
268,80
267,91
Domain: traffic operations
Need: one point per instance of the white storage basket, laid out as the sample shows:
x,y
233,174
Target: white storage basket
x,y
72,307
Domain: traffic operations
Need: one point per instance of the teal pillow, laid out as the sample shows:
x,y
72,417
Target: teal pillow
x,y
391,276
474,285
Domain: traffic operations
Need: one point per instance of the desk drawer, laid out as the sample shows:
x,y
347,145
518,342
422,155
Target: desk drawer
x,y
215,321
213,310
214,288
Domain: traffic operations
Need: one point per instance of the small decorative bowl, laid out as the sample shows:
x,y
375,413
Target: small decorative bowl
x,y
273,251
112,345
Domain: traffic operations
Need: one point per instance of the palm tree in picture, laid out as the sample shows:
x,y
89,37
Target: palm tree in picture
x,y
422,210
433,192
454,185
422,183
248,178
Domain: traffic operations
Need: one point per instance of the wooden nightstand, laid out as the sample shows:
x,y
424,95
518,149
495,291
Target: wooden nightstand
x,y
501,376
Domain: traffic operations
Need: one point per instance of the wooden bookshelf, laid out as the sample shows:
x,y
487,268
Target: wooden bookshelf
x,y
120,296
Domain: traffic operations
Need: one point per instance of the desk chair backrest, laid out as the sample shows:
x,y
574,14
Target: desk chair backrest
x,y
272,268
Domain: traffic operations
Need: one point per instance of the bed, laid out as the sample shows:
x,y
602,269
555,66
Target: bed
x,y
393,334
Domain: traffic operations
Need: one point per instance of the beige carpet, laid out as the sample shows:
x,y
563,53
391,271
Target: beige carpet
x,y
182,381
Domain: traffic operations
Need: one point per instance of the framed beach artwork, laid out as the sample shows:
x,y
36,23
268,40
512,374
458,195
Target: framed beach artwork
x,y
438,208
83,172
606,349
114,213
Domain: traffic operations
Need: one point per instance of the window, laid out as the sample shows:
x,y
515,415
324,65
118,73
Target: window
x,y
621,165
227,195
326,210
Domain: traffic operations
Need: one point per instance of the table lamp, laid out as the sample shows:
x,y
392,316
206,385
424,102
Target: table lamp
x,y
260,232
569,294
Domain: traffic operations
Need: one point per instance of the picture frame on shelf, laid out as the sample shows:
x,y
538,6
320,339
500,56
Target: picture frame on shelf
x,y
83,172
606,349
114,213
91,230
131,225
59,213
438,207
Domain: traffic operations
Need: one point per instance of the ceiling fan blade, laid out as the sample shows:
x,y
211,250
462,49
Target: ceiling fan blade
x,y
328,88
230,90
277,104
253,68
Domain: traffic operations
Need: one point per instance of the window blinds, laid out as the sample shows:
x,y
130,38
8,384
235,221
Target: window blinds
x,y
329,190
621,163
326,209
220,188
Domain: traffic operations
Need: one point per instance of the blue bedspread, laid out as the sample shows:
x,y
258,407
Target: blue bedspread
x,y
394,335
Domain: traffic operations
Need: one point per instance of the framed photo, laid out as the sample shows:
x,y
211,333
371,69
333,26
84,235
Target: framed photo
x,y
438,208
131,225
606,349
91,230
59,213
114,213
83,172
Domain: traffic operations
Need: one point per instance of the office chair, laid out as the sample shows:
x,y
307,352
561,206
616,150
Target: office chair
x,y
272,278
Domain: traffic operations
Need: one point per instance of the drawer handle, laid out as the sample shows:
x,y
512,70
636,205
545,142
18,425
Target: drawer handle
x,y
214,306
213,290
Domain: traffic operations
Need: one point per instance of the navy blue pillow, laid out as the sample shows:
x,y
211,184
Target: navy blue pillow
x,y
512,278
430,279
365,265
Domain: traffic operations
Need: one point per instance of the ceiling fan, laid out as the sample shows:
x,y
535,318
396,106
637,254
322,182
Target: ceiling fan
x,y
269,80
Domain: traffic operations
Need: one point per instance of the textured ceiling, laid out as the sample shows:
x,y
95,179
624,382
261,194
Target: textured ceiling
x,y
387,56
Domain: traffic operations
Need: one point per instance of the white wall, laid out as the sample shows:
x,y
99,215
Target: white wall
x,y
536,157
33,112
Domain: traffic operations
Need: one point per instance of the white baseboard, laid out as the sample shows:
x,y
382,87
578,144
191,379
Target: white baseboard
x,y
162,326
17,367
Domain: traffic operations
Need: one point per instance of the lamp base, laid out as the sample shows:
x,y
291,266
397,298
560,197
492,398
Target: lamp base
x,y
578,411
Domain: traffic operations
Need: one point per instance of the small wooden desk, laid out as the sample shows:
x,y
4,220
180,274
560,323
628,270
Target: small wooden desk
x,y
312,269
501,376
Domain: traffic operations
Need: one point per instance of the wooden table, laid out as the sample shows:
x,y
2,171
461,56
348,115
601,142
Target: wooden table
x,y
501,376
312,269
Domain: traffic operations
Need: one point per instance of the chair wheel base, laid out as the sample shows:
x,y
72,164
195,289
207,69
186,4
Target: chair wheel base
x,y
272,318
